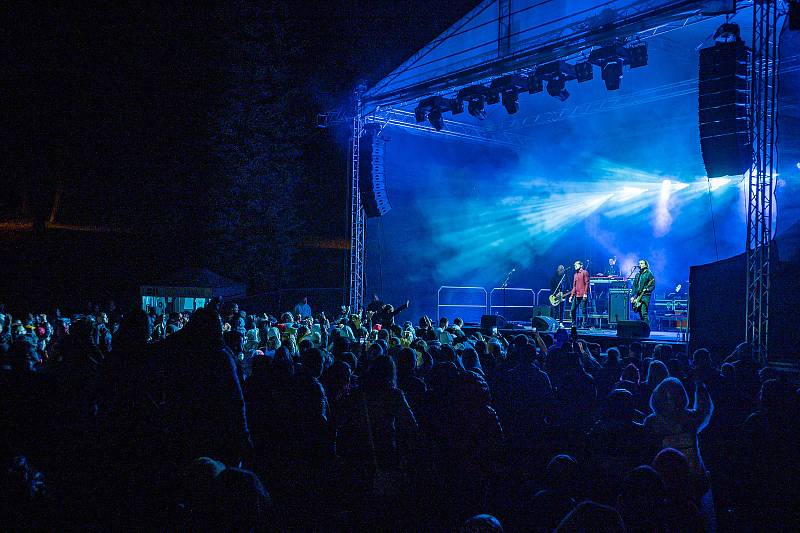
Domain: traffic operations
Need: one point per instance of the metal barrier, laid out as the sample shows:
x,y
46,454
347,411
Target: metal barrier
x,y
540,291
472,309
518,300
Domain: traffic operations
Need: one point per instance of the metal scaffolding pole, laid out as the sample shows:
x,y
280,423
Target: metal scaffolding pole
x,y
763,96
357,217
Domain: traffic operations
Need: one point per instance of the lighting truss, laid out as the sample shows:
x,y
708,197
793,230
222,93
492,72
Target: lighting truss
x,y
763,116
452,128
357,216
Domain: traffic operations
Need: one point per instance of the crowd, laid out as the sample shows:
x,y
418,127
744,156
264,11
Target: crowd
x,y
221,420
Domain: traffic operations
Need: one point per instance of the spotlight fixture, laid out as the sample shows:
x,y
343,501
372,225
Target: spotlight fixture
x,y
454,105
583,71
435,118
477,96
612,74
433,107
612,57
557,88
535,85
476,108
509,88
556,74
637,55
511,102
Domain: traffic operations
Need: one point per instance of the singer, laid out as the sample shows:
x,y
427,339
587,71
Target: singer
x,y
579,296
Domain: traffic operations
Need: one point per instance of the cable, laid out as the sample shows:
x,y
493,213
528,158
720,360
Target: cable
x,y
713,222
774,198
380,255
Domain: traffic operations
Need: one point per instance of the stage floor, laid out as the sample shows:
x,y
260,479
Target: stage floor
x,y
607,338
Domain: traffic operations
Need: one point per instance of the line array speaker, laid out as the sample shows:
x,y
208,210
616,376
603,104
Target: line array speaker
x,y
724,88
371,176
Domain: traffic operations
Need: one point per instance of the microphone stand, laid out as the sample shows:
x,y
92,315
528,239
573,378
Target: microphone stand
x,y
504,286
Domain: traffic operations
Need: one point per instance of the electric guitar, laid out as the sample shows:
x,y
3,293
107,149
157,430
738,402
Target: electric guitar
x,y
558,298
636,302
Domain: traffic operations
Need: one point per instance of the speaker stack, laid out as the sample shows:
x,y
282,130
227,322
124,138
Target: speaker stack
x,y
724,87
371,176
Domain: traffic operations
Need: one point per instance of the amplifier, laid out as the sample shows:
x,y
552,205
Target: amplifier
x,y
618,305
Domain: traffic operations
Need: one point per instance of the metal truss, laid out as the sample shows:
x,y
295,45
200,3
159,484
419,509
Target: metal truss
x,y
357,216
763,115
646,18
452,128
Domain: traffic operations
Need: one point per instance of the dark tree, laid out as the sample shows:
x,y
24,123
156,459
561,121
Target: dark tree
x,y
256,130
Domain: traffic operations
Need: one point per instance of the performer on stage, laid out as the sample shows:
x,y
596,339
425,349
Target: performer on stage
x,y
643,286
580,293
612,269
556,286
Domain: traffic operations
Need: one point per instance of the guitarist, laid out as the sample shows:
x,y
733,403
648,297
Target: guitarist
x,y
643,286
556,287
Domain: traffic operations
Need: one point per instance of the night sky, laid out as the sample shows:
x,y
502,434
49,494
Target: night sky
x,y
119,131
142,138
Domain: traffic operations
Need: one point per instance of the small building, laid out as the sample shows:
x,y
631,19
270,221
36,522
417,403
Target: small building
x,y
189,289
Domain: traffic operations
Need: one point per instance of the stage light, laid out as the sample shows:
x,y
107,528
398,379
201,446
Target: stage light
x,y
476,97
716,183
584,71
612,74
511,102
556,73
637,55
629,193
454,105
557,89
509,88
433,107
535,85
663,217
435,118
476,108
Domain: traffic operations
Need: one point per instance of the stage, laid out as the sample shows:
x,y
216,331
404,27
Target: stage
x,y
606,338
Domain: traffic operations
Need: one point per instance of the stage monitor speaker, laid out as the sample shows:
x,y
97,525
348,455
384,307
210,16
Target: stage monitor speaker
x,y
633,329
492,321
541,310
618,305
371,176
545,324
725,139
